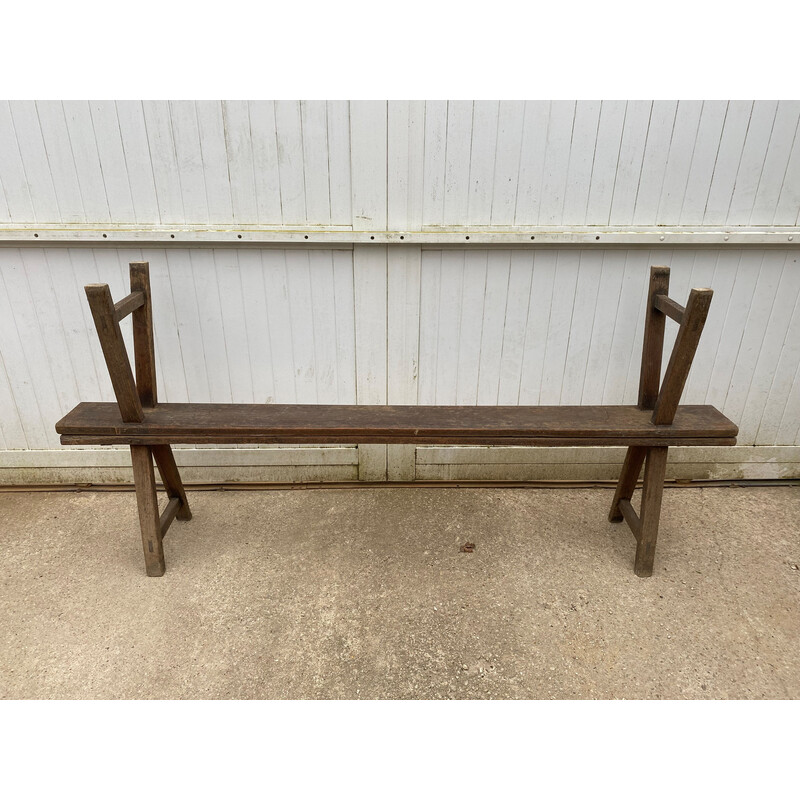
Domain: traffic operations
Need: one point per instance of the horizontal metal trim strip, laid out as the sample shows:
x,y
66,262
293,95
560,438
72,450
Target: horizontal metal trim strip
x,y
116,235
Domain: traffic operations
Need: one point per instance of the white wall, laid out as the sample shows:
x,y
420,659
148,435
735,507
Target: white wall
x,y
421,163
400,324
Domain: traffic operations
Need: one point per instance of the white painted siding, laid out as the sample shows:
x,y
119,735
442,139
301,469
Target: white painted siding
x,y
505,163
480,327
377,324
550,327
247,326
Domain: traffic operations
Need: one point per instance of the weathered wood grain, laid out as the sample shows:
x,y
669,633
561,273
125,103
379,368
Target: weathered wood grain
x,y
144,348
167,515
631,468
652,490
653,345
113,345
669,307
680,361
127,305
171,478
149,519
188,422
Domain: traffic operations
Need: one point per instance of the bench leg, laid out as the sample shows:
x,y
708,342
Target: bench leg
x,y
634,459
653,487
171,478
145,480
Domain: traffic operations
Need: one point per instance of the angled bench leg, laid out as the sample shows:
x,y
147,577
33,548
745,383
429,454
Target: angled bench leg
x,y
650,512
171,478
145,480
626,485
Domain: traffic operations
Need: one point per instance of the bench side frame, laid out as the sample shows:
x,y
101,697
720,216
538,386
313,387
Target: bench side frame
x,y
663,397
134,395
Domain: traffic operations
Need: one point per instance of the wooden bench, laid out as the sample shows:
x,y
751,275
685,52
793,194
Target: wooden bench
x,y
150,428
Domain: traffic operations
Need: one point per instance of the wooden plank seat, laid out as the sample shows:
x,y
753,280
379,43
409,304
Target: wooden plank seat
x,y
647,429
535,426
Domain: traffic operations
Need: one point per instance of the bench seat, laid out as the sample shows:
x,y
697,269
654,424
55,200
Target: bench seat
x,y
540,426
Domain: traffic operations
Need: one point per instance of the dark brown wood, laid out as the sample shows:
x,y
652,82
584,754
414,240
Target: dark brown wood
x,y
149,519
669,307
652,489
167,515
631,517
488,440
113,346
171,478
653,344
144,349
683,352
634,458
239,423
128,305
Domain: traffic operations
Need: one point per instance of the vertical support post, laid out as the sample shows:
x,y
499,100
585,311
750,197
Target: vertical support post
x,y
653,345
144,352
652,490
113,345
147,501
649,380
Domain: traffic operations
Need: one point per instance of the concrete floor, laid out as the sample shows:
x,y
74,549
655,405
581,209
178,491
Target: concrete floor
x,y
364,593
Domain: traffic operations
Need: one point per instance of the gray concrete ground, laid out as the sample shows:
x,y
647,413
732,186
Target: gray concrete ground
x,y
364,593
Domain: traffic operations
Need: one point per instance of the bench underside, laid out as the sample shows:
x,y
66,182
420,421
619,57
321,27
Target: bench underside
x,y
535,426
